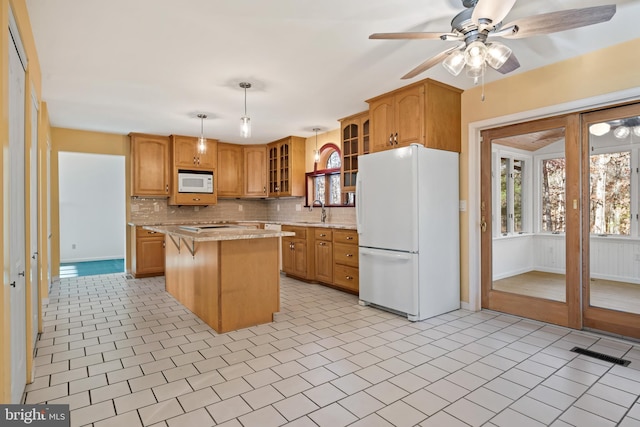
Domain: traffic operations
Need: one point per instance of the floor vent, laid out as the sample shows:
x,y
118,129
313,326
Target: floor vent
x,y
601,356
129,276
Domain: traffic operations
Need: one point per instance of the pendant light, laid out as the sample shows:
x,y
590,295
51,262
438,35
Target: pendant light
x,y
245,121
202,142
316,153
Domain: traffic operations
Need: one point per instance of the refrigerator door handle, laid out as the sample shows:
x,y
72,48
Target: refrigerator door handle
x,y
390,256
359,203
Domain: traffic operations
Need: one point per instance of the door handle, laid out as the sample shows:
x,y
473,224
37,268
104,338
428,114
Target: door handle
x,y
21,274
483,225
12,284
395,138
391,139
35,254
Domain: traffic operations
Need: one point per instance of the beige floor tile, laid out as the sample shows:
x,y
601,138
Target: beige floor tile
x,y
160,411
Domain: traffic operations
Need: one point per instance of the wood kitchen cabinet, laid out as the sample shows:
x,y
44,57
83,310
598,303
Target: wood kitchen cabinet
x,y
426,112
295,257
230,170
286,166
147,253
345,260
255,170
185,153
355,141
323,254
149,165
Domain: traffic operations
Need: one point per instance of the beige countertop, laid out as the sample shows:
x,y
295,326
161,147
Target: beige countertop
x,y
294,223
216,234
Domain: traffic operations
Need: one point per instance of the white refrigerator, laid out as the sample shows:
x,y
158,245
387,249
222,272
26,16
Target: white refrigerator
x,y
407,213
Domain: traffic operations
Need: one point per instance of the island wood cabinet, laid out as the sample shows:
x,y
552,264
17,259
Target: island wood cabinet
x,y
323,253
147,253
286,172
345,260
295,253
230,170
355,141
426,112
149,165
185,156
255,170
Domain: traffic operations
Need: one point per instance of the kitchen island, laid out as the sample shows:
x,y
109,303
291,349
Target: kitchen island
x,y
226,275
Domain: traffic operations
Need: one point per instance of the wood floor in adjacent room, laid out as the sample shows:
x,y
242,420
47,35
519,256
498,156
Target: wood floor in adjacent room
x,y
621,296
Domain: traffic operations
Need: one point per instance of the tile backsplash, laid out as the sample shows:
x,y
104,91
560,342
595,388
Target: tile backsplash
x,y
156,210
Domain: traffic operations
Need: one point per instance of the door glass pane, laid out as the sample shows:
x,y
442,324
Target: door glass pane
x,y
614,248
529,249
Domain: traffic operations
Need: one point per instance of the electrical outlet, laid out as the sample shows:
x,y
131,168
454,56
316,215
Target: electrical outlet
x,y
298,207
156,207
278,207
196,208
240,208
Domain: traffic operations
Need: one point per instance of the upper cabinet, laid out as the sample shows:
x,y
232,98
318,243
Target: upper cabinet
x,y
230,170
286,167
149,165
355,141
425,112
186,154
255,170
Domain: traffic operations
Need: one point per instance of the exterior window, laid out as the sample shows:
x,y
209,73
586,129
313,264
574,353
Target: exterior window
x,y
325,180
511,195
610,193
553,195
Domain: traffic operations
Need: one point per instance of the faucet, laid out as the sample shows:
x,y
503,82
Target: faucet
x,y
323,214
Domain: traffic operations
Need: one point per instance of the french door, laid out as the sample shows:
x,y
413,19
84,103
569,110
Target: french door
x,y
560,209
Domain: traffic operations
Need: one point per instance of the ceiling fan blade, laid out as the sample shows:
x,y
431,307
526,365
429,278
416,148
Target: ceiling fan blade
x,y
495,10
560,21
413,35
430,62
511,64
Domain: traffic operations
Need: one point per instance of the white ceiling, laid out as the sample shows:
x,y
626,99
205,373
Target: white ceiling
x,y
151,66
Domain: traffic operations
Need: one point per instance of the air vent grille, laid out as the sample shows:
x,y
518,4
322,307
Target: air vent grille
x,y
601,356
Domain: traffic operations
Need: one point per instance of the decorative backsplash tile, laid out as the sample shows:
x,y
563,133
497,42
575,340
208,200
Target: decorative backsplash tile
x,y
156,210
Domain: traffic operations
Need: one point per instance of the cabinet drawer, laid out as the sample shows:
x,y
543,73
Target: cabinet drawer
x,y
323,234
141,232
346,277
301,232
345,254
345,236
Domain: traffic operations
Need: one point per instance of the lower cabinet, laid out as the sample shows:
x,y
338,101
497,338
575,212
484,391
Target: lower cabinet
x,y
147,253
325,255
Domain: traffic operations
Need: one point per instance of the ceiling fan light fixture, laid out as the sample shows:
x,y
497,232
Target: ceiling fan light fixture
x,y
454,62
475,54
599,129
621,132
497,54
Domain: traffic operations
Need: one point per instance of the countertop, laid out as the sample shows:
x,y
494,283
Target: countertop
x,y
295,223
232,233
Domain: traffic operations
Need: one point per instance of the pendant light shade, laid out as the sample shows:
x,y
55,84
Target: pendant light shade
x,y
202,142
316,153
245,121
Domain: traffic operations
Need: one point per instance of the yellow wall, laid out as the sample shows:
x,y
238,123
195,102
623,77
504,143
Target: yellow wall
x,y
80,141
332,136
606,71
33,79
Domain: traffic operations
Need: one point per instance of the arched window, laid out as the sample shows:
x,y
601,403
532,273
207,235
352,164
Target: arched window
x,y
323,184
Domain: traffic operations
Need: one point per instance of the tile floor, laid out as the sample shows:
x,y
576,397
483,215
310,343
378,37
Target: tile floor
x,y
122,352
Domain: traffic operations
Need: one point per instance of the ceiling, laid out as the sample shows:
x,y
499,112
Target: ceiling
x,y
151,66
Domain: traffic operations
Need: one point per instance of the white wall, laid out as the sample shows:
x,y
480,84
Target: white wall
x,y
92,206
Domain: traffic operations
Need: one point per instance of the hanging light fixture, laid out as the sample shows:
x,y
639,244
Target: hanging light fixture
x,y
202,142
316,153
245,121
475,56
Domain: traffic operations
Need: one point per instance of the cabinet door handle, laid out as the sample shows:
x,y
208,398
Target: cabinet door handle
x,y
196,200
349,255
151,232
264,189
166,189
323,235
348,277
395,138
391,139
194,160
349,237
323,244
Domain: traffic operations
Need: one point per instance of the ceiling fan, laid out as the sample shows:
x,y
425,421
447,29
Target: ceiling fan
x,y
480,23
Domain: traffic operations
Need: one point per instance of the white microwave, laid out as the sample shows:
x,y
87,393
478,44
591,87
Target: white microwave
x,y
195,181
